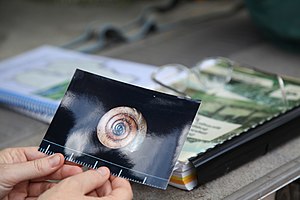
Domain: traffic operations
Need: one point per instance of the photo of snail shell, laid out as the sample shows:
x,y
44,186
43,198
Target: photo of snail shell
x,y
136,132
122,127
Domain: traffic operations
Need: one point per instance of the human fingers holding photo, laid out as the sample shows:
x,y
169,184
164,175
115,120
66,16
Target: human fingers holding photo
x,y
24,171
92,184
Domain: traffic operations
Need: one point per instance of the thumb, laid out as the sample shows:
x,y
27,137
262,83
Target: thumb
x,y
19,172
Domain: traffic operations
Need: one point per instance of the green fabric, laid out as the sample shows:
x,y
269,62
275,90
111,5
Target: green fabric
x,y
279,20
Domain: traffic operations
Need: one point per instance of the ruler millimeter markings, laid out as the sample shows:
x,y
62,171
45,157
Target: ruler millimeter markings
x,y
50,148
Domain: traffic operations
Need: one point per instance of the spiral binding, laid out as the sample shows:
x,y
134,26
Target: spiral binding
x,y
28,105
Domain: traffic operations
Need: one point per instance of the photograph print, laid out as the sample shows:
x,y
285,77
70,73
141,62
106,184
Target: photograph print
x,y
137,133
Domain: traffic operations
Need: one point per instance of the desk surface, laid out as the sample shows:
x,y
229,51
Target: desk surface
x,y
234,37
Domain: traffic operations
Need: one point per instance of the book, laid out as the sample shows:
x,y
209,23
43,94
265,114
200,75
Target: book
x,y
240,118
34,82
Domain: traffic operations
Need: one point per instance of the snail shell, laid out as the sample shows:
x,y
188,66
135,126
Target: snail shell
x,y
122,127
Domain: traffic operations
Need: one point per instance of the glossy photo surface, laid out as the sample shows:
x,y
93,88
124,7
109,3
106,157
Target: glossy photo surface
x,y
137,133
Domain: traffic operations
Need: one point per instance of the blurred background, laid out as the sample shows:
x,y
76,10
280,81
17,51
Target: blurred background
x,y
264,34
193,29
260,33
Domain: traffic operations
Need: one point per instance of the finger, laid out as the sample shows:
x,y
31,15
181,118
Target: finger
x,y
32,153
21,154
72,163
19,172
121,188
64,172
105,189
36,189
93,194
87,181
17,192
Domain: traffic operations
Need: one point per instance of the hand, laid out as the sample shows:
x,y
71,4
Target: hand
x,y
91,184
24,172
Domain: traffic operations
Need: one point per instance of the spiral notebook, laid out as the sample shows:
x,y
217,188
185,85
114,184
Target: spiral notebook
x,y
34,82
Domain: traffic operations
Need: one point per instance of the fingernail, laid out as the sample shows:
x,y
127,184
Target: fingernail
x,y
54,160
103,171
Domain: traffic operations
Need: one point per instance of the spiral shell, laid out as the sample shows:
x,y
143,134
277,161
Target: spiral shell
x,y
122,127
